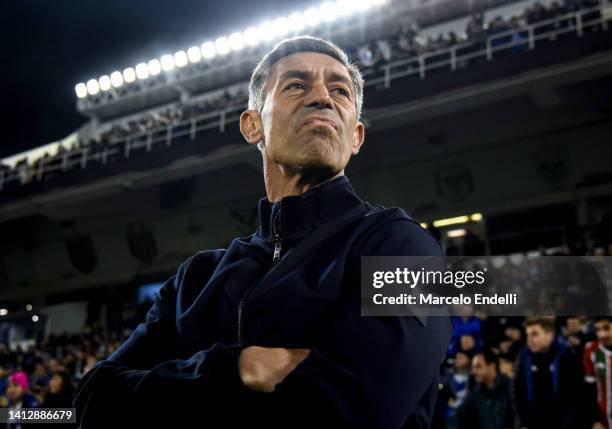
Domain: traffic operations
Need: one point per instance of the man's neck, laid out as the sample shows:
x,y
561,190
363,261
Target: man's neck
x,y
282,181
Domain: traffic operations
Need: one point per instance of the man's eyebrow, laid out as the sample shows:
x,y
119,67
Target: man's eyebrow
x,y
304,75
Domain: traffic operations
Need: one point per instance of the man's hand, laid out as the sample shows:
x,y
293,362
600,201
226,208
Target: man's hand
x,y
598,425
262,368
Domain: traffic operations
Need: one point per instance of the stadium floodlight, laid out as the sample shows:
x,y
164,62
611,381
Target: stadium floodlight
x,y
81,90
296,22
194,54
167,62
29,307
180,59
35,318
222,46
116,79
328,12
154,67
142,71
281,26
251,36
104,82
208,50
129,75
266,31
378,2
236,41
3,311
311,17
93,87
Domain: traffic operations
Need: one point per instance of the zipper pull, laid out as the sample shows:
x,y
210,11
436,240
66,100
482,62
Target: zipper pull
x,y
277,249
276,229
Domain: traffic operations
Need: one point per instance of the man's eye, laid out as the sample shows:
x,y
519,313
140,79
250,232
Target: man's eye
x,y
342,91
297,85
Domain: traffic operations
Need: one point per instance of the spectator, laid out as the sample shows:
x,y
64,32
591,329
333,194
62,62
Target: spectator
x,y
19,396
548,379
598,370
489,403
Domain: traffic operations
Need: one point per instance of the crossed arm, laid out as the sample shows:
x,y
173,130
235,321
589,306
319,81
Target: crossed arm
x,y
363,372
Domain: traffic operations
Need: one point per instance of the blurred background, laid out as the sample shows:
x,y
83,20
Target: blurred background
x,y
490,121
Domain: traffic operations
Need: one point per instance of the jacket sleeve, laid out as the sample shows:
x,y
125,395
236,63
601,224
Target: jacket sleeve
x,y
520,393
111,393
363,371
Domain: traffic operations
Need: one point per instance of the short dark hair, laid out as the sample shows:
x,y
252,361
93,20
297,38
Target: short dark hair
x,y
293,45
602,319
489,356
546,323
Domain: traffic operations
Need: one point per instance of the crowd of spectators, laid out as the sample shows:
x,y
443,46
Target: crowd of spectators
x,y
408,43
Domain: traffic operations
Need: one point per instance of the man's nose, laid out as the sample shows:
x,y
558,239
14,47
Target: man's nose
x,y
319,97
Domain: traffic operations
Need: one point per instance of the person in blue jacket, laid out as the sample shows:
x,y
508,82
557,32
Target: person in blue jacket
x,y
269,331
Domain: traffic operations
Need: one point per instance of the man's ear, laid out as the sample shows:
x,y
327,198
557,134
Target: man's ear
x,y
251,126
358,137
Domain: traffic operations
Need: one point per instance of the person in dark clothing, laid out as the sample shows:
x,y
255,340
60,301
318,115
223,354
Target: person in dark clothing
x,y
548,382
489,404
60,394
269,331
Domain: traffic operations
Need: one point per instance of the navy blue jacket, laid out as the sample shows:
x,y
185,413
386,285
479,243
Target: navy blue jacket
x,y
294,283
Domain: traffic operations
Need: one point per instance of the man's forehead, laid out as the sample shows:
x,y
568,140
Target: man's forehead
x,y
312,62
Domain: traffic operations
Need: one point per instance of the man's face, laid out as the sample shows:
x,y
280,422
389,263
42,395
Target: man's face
x,y
14,391
538,339
603,330
481,370
309,116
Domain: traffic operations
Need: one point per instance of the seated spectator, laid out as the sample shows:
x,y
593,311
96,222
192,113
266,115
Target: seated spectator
x,y
489,404
18,392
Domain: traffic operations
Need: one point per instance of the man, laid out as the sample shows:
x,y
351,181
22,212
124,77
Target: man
x,y
489,404
597,363
548,381
269,331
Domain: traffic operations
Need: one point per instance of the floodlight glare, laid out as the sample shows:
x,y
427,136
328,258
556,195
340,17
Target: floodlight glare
x,y
180,59
281,26
251,36
208,50
142,71
129,75
167,62
362,5
311,17
295,22
153,67
266,31
92,87
222,45
104,82
81,90
345,7
194,54
328,12
236,41
116,79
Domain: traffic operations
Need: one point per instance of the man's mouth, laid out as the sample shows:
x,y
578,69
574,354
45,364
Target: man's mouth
x,y
317,120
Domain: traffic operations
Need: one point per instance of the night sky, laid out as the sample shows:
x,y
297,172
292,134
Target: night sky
x,y
50,46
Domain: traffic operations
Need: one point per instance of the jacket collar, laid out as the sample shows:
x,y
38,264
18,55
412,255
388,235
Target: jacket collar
x,y
297,215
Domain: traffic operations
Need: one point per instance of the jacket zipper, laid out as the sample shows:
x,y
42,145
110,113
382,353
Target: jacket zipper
x,y
276,232
277,237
